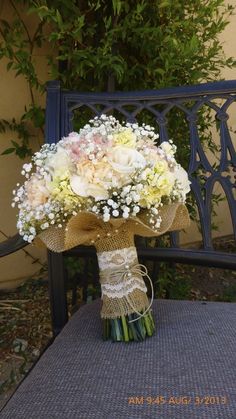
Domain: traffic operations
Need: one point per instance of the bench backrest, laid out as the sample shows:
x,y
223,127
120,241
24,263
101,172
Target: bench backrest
x,y
186,102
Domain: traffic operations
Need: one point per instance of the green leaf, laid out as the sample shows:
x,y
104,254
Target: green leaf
x,y
164,4
8,151
16,145
117,6
9,65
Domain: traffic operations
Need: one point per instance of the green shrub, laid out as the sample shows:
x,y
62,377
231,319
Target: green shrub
x,y
104,45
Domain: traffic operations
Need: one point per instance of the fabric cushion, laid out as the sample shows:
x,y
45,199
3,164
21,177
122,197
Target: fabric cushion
x,y
187,370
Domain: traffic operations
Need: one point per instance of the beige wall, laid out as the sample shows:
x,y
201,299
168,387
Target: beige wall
x,y
223,219
228,38
14,95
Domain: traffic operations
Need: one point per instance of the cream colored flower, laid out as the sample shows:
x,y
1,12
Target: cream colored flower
x,y
125,160
168,148
152,155
161,166
36,191
125,138
94,172
92,179
149,196
155,187
59,162
82,187
182,177
152,174
165,183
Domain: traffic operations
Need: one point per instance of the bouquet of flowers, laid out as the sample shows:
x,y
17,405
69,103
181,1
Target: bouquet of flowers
x,y
101,187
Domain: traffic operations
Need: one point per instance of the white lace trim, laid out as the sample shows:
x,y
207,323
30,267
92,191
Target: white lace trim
x,y
117,258
119,286
125,281
123,293
122,289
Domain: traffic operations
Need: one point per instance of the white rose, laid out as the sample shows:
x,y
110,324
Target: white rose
x,y
125,160
82,187
167,148
59,162
182,177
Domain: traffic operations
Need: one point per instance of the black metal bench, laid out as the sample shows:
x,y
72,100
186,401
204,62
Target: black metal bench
x,y
198,330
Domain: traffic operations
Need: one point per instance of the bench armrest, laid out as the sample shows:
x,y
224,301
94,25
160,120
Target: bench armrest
x,y
12,244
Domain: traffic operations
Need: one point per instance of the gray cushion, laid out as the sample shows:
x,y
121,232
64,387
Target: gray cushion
x,y
193,354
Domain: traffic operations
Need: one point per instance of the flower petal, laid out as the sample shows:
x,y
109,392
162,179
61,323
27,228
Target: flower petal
x,y
79,185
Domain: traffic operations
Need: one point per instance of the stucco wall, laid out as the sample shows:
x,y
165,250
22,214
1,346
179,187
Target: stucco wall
x,y
14,95
223,218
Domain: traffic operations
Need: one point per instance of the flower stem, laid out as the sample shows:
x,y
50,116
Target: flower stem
x,y
117,330
151,318
125,329
148,325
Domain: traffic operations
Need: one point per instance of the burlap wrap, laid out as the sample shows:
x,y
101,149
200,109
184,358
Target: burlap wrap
x,y
86,228
115,275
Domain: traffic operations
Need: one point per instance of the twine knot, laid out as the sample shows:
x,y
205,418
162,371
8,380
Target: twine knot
x,y
122,275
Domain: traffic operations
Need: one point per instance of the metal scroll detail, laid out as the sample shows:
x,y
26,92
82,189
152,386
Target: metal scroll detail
x,y
188,100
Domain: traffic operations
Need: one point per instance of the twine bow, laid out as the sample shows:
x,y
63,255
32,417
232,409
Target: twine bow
x,y
126,273
140,270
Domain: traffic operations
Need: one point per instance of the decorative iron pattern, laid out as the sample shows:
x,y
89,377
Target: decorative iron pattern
x,y
159,103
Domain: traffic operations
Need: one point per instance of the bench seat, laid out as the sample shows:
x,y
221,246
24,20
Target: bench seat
x,y
193,354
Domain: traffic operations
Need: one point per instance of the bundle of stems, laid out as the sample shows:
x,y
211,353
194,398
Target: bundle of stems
x,y
123,329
